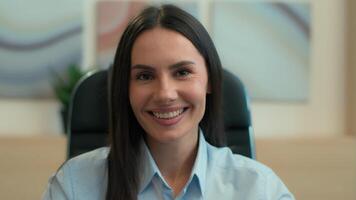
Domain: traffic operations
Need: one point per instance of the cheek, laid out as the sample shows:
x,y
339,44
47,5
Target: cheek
x,y
195,92
139,96
135,98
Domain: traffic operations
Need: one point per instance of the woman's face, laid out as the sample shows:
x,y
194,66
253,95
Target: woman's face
x,y
168,85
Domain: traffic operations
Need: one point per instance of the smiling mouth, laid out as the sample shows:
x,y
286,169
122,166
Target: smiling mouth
x,y
168,115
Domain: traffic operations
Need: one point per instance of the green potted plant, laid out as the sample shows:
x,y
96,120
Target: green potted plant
x,y
63,86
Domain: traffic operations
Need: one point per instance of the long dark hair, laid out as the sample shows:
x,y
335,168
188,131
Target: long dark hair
x,y
125,132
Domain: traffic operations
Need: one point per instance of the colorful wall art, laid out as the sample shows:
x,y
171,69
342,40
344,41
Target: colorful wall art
x,y
112,18
37,38
267,45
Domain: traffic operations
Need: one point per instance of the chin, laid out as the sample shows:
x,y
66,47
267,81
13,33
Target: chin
x,y
169,135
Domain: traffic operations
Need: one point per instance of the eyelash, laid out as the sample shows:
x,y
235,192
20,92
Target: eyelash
x,y
186,72
146,76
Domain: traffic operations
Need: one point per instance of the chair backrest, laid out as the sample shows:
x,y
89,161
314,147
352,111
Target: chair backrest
x,y
237,116
88,115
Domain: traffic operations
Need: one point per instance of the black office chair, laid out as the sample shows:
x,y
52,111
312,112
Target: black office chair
x,y
237,116
88,115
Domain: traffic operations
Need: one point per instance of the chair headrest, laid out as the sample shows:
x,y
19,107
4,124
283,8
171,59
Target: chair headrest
x,y
235,103
89,106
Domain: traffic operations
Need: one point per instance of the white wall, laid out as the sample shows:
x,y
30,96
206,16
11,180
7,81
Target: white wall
x,y
29,117
324,114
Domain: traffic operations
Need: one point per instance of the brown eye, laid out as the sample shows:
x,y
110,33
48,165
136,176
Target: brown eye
x,y
182,73
144,76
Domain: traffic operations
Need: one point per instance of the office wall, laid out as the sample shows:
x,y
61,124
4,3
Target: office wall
x,y
323,114
351,68
29,117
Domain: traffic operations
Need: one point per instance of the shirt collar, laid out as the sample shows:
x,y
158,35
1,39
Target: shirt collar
x,y
201,162
150,168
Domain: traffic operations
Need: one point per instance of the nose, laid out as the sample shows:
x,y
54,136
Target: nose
x,y
166,90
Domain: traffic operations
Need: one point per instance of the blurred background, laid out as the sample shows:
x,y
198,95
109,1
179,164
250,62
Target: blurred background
x,y
295,57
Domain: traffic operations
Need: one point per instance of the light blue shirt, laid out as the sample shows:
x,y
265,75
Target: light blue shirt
x,y
217,174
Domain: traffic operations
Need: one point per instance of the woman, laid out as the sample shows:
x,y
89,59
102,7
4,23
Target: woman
x,y
165,126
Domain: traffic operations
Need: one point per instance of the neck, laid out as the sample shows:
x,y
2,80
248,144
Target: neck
x,y
175,161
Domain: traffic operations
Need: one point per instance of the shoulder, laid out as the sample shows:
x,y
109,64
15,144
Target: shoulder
x,y
223,158
243,176
90,167
80,177
89,160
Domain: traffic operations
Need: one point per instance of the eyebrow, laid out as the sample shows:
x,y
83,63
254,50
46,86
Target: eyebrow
x,y
173,66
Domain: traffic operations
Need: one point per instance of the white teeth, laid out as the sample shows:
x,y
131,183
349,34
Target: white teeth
x,y
168,115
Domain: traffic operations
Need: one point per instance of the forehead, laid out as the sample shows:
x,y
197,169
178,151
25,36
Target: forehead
x,y
163,45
